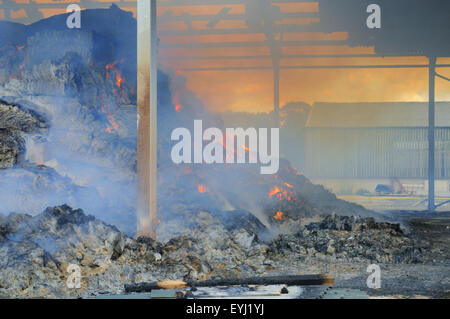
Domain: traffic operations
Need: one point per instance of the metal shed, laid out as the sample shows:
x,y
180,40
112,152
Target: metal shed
x,y
376,140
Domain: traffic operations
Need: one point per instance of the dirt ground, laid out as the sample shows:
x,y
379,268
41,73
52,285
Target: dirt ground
x,y
398,280
412,280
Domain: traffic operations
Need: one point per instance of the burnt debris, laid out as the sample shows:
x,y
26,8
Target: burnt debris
x,y
15,122
36,251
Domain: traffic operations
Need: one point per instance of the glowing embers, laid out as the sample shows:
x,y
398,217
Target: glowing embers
x,y
118,79
176,102
109,115
281,193
202,189
112,72
280,216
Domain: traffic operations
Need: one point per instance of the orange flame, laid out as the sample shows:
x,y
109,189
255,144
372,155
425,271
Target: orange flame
x,y
201,189
110,116
176,101
111,65
113,122
274,190
247,149
279,216
119,79
227,148
281,193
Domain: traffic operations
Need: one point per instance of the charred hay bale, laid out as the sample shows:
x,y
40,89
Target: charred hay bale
x,y
14,122
13,117
354,223
35,252
11,146
350,238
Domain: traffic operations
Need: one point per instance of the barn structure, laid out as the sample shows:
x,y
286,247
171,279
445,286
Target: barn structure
x,y
356,146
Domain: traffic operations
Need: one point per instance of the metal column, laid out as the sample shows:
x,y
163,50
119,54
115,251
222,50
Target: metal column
x,y
431,125
147,107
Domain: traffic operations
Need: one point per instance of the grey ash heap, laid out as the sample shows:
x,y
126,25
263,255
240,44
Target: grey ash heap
x,y
68,136
35,252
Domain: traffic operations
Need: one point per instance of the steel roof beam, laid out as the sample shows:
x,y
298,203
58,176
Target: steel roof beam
x,y
196,45
221,2
285,28
393,66
290,56
199,17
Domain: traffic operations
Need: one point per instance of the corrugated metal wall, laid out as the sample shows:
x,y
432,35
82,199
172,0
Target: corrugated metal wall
x,y
375,152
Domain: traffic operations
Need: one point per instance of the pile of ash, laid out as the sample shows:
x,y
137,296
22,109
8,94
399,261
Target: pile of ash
x,y
35,251
354,239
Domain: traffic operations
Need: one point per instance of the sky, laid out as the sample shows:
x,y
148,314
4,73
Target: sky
x,y
252,90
